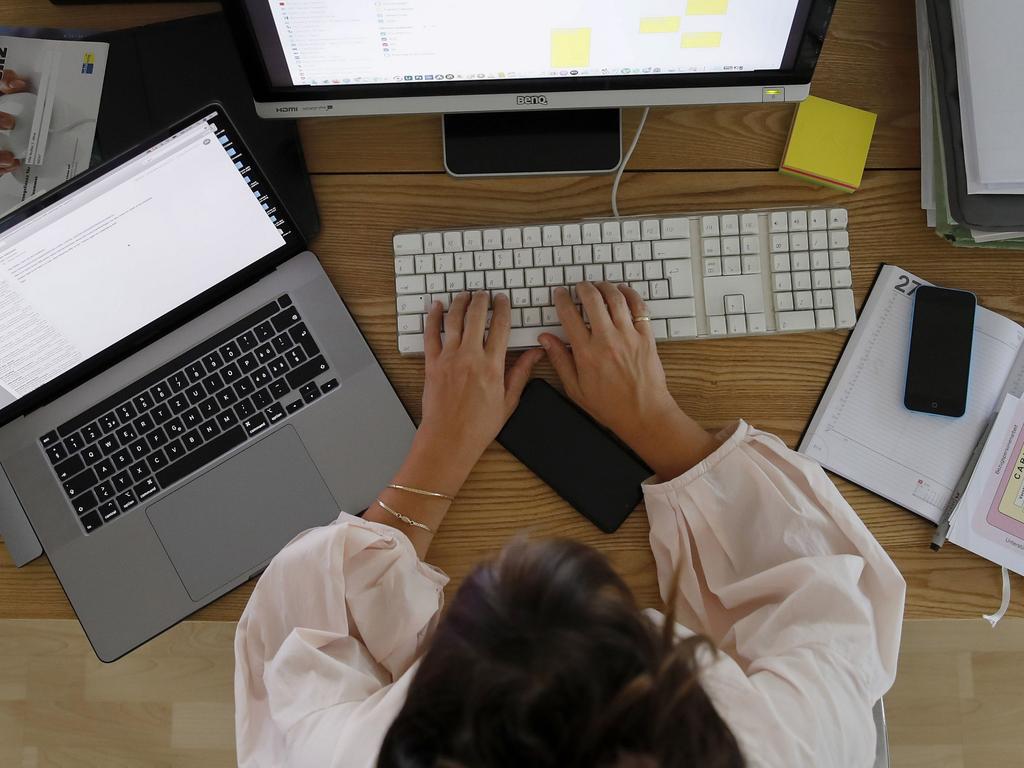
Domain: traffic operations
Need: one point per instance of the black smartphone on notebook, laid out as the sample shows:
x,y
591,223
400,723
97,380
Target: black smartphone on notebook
x,y
939,369
584,463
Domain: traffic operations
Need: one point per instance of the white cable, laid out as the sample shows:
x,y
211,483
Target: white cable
x,y
625,160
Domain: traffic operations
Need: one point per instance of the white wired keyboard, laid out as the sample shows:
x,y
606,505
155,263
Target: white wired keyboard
x,y
725,274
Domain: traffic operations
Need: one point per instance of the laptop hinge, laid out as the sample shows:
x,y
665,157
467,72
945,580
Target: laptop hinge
x,y
19,537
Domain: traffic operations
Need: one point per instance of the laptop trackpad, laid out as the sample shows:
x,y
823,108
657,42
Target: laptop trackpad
x,y
230,520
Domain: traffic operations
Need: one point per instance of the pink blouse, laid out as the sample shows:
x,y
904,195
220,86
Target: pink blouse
x,y
777,570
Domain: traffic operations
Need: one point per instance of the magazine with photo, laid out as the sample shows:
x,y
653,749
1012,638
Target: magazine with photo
x,y
49,102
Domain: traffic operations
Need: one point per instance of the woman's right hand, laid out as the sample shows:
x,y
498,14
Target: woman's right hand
x,y
613,372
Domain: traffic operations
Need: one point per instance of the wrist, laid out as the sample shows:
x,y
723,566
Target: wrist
x,y
669,441
439,459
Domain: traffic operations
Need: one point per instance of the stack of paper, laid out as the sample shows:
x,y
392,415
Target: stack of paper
x,y
976,167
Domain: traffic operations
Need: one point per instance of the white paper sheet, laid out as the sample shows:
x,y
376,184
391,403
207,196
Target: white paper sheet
x,y
990,75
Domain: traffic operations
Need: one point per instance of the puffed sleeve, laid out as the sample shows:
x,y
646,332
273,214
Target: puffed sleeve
x,y
766,558
334,621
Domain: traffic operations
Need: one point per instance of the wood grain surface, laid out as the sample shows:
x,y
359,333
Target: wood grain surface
x,y
170,704
374,176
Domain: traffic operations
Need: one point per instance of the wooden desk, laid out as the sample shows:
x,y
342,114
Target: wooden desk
x,y
376,175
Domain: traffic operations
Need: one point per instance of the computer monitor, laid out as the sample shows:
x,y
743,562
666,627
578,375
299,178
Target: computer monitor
x,y
373,57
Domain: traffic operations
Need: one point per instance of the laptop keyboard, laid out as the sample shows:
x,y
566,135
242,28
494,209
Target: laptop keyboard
x,y
188,413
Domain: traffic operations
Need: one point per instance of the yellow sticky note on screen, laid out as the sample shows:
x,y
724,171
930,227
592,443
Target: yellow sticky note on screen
x,y
570,48
653,26
828,144
702,40
707,7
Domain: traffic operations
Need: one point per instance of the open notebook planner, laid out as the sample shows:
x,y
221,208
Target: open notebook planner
x,y
863,432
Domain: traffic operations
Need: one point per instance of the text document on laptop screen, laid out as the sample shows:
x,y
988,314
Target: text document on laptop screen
x,y
122,251
355,42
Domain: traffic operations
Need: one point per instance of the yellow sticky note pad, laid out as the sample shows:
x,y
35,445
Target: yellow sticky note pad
x,y
570,48
653,26
707,7
828,144
702,40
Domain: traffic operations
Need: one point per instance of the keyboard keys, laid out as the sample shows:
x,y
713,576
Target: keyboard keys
x,y
108,422
206,453
56,453
122,481
275,413
295,405
674,229
191,417
213,384
143,424
255,424
261,398
329,385
795,321
91,454
126,412
264,331
146,488
160,392
107,510
104,491
226,397
808,262
139,471
247,341
121,459
208,430
408,244
195,372
191,440
138,449
126,501
91,522
175,450
69,468
281,343
73,443
126,433
104,468
83,502
310,392
195,393
91,433
178,403
108,444
48,439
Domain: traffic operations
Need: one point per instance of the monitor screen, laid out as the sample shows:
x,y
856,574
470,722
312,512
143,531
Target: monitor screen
x,y
341,43
124,250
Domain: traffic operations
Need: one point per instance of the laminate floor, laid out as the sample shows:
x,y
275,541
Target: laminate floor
x,y
957,702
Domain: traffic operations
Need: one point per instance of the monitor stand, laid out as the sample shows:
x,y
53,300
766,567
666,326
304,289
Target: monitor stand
x,y
533,142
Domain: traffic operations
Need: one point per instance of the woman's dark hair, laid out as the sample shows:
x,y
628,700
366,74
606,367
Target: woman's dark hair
x,y
544,660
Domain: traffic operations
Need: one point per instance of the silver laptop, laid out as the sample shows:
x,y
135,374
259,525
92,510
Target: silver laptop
x,y
181,389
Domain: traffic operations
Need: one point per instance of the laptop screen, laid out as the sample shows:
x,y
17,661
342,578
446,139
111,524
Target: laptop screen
x,y
126,249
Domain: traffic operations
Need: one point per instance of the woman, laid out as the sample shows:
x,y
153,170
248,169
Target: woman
x,y
344,659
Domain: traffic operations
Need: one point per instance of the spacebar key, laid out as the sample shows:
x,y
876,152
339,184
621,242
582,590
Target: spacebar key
x,y
207,452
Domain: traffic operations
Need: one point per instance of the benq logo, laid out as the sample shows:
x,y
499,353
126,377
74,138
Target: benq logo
x,y
523,101
287,109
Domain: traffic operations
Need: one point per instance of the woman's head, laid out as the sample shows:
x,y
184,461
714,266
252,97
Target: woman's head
x,y
543,659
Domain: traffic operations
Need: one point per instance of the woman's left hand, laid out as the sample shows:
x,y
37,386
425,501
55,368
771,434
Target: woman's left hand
x,y
468,396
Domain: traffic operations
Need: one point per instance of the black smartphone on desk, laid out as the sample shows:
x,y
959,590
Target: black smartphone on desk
x,y
939,369
584,463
